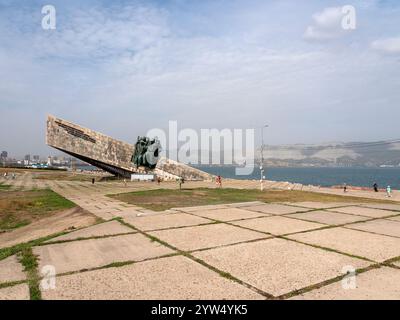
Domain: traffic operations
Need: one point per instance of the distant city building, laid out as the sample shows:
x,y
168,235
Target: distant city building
x,y
4,155
27,160
36,158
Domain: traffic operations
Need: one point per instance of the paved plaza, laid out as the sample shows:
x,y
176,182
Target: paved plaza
x,y
248,250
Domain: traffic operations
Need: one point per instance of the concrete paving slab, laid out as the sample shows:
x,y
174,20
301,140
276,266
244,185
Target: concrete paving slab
x,y
172,278
278,266
163,221
277,209
397,218
320,205
194,238
387,206
84,254
197,208
11,270
375,284
278,225
18,292
327,217
102,229
244,204
227,214
371,246
381,226
362,211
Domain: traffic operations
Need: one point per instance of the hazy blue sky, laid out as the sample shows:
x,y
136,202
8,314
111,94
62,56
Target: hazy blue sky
x,y
123,67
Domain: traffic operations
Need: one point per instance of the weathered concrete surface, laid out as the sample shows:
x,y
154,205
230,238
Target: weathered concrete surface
x,y
375,284
397,263
278,266
362,211
278,225
11,270
387,206
327,217
18,292
193,238
166,278
276,209
359,243
244,204
228,214
198,208
70,137
102,229
397,218
85,254
320,205
381,226
163,221
61,221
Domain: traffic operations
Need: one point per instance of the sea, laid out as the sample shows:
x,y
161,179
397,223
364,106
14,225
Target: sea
x,y
325,177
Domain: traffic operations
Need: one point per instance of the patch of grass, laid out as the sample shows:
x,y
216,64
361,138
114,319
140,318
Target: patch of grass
x,y
10,221
163,199
30,264
4,187
19,208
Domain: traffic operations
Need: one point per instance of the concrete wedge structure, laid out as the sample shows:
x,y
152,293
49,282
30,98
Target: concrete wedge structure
x,y
109,154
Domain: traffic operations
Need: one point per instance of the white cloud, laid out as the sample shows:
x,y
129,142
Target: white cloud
x,y
327,24
388,45
99,32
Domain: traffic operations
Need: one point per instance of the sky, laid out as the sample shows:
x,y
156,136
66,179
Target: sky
x,y
125,67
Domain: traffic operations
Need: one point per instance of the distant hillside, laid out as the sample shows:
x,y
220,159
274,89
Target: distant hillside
x,y
371,154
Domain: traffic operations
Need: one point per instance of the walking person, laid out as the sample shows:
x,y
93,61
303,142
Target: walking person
x,y
218,181
389,191
344,187
181,181
375,187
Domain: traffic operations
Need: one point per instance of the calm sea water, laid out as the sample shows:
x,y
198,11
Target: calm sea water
x,y
363,177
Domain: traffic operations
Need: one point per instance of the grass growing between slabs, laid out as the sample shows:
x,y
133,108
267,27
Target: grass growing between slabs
x,y
30,264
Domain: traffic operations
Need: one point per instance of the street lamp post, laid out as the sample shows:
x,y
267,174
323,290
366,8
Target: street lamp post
x,y
262,158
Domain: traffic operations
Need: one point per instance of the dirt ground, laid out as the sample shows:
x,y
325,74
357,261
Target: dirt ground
x,y
20,208
60,221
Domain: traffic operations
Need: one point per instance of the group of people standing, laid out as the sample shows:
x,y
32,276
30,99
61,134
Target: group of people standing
x,y
388,190
375,187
